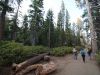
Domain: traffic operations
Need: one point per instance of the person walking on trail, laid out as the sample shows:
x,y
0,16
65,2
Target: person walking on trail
x,y
89,53
75,53
83,54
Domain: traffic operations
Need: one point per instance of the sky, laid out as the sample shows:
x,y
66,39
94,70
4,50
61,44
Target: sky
x,y
55,5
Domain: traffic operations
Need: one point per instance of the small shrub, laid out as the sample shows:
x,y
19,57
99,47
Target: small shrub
x,y
41,49
98,58
14,52
79,47
69,49
61,51
9,51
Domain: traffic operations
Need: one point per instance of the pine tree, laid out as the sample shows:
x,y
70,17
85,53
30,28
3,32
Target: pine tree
x,y
62,14
61,25
48,29
24,34
36,18
68,31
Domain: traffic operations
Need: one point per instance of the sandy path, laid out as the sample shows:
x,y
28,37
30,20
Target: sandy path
x,y
69,66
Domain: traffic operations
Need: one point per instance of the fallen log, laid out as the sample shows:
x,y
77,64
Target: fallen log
x,y
18,67
40,69
47,68
29,68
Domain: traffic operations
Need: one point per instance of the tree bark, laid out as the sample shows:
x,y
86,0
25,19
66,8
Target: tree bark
x,y
93,37
2,21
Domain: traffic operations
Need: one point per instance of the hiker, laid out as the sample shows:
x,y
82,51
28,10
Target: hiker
x,y
83,54
75,53
89,53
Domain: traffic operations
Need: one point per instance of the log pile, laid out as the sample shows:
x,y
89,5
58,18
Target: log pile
x,y
30,65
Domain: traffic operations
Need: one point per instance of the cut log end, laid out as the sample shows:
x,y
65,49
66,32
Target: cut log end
x,y
14,65
47,58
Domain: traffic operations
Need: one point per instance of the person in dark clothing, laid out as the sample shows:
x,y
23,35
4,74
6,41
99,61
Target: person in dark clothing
x,y
83,54
89,53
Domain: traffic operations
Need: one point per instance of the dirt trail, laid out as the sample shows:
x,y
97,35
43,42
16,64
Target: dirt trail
x,y
69,66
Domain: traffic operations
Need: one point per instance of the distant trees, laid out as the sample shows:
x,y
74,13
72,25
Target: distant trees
x,y
8,6
34,29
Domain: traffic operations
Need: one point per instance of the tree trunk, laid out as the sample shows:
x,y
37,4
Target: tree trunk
x,y
28,62
29,68
2,21
87,37
49,35
93,37
34,37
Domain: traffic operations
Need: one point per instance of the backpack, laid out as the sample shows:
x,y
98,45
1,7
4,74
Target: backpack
x,y
82,52
89,51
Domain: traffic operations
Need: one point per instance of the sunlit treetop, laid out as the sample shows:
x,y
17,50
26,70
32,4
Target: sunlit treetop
x,y
79,21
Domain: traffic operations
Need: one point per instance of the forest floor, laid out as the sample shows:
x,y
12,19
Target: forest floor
x,y
66,65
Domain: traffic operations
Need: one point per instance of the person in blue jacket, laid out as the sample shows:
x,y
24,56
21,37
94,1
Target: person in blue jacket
x,y
83,54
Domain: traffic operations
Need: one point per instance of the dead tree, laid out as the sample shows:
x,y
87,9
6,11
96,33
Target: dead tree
x,y
92,31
